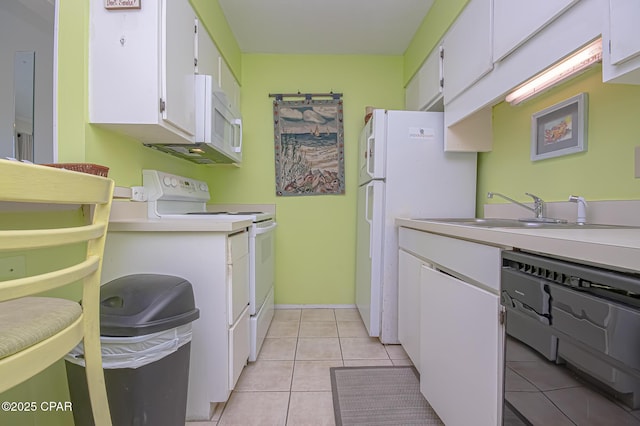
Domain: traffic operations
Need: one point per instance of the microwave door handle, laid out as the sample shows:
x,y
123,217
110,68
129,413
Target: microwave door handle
x,y
238,122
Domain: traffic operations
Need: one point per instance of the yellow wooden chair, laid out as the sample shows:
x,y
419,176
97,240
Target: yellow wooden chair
x,y
37,331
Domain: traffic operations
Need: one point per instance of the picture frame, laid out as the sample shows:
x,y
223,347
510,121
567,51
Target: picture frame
x,y
122,4
560,129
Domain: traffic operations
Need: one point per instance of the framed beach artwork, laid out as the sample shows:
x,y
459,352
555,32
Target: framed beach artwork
x,y
309,147
560,129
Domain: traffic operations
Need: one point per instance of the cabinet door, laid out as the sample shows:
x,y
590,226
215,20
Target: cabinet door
x,y
621,42
412,94
239,347
229,86
426,86
461,350
178,65
624,30
207,54
409,305
515,21
467,48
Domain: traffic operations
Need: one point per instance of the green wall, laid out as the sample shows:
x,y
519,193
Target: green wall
x,y
315,240
604,172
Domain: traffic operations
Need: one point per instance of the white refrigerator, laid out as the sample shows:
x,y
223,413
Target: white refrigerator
x,y
403,172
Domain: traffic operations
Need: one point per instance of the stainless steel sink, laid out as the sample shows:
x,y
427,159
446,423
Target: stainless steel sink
x,y
546,223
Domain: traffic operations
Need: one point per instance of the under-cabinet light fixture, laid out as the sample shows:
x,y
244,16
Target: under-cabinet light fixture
x,y
568,67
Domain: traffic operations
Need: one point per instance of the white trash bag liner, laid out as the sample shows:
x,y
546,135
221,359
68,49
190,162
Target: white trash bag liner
x,y
135,351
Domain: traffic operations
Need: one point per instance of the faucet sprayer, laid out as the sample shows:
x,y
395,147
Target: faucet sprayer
x,y
582,209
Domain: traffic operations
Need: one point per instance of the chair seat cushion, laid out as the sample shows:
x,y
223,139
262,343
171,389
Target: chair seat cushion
x,y
29,320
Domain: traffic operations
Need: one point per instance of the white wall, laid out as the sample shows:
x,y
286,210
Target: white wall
x,y
27,29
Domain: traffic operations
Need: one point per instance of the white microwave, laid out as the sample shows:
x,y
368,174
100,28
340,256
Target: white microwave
x,y
217,126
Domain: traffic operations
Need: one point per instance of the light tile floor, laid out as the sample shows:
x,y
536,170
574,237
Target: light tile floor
x,y
289,384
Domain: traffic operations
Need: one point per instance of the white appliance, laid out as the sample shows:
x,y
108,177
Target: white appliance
x,y
218,137
177,197
403,172
231,268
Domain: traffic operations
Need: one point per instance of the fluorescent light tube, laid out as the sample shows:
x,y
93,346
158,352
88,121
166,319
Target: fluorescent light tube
x,y
568,67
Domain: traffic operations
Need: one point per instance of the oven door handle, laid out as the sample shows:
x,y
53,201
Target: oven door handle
x,y
260,231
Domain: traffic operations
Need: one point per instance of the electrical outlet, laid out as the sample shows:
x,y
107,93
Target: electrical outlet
x,y
138,193
12,268
637,162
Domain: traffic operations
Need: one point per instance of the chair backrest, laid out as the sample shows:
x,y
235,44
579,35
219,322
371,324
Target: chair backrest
x,y
43,189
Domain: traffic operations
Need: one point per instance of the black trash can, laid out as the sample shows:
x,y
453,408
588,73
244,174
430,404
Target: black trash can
x,y
145,329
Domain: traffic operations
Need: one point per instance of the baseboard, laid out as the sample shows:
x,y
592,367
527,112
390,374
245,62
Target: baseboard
x,y
303,306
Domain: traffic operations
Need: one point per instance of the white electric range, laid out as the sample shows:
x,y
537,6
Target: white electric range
x,y
172,231
176,197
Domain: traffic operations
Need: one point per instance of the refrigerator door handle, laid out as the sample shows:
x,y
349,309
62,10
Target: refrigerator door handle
x,y
366,215
369,153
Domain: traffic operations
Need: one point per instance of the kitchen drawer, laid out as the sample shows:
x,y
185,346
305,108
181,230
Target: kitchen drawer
x,y
238,246
238,348
478,262
238,284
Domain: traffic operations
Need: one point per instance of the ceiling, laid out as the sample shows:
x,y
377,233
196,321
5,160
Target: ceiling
x,y
378,27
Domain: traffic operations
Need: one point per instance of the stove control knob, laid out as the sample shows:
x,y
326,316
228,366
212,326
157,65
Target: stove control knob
x,y
166,180
203,187
174,182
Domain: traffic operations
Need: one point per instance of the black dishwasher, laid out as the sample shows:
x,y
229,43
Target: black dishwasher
x,y
572,353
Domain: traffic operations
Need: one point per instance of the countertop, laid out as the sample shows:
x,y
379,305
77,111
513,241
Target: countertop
x,y
617,248
128,216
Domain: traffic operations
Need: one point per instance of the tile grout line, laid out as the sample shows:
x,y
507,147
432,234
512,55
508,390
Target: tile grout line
x,y
295,358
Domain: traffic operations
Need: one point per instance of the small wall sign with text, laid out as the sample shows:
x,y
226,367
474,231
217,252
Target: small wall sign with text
x,y
122,4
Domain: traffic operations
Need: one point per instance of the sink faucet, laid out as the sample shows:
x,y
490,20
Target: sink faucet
x,y
582,209
538,205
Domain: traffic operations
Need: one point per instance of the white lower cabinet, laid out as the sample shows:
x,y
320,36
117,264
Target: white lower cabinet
x,y
409,267
238,347
216,265
450,320
460,349
238,305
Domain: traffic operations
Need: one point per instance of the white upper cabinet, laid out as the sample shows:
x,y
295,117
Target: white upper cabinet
x,y
467,48
229,86
559,33
621,42
412,94
141,70
179,64
207,54
425,88
515,21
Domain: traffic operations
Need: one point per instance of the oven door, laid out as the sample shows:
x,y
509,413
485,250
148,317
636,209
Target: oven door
x,y
262,263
